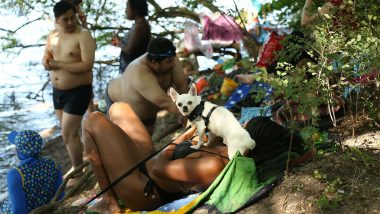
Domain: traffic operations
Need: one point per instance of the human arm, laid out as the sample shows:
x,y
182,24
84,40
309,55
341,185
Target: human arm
x,y
197,168
148,87
185,136
16,193
179,78
136,36
83,19
87,47
47,55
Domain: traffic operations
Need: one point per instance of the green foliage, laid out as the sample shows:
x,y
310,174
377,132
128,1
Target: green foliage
x,y
354,154
332,196
8,42
326,203
191,4
104,38
345,46
288,11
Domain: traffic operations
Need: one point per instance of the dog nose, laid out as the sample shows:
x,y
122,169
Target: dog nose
x,y
185,109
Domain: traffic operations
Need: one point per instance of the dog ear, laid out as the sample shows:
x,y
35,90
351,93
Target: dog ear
x,y
193,90
173,94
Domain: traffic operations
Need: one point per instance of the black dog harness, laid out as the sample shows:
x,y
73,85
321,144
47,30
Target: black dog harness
x,y
197,112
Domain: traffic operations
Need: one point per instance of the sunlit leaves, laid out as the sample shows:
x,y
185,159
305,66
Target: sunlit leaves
x,y
8,42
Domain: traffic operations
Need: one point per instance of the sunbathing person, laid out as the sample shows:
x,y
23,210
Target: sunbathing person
x,y
115,145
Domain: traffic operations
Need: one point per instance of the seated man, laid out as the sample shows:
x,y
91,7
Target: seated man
x,y
115,146
145,82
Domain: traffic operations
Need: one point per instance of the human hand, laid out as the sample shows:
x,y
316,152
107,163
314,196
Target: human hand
x,y
82,17
54,64
45,63
115,41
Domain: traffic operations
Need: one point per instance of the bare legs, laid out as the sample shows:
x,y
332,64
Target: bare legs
x,y
112,149
70,125
108,204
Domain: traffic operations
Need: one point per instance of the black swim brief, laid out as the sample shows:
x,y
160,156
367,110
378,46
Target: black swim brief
x,y
165,196
72,101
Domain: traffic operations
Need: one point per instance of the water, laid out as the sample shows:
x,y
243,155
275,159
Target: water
x,y
24,105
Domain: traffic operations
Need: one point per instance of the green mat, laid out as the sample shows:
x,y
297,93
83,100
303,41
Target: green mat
x,y
238,184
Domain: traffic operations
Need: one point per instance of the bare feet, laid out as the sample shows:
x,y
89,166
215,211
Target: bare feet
x,y
105,206
72,182
73,178
77,174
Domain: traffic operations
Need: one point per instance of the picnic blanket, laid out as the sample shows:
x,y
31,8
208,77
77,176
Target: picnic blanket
x,y
243,91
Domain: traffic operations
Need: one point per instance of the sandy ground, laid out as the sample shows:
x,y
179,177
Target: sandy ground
x,y
345,181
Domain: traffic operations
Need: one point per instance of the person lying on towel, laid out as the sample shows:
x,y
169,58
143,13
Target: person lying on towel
x,y
116,145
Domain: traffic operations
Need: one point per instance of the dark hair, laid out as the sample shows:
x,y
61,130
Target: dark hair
x,y
160,49
61,8
75,2
141,6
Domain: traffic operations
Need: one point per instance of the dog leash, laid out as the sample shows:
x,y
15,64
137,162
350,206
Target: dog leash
x,y
126,174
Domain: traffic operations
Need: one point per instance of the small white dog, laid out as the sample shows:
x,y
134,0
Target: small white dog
x,y
218,120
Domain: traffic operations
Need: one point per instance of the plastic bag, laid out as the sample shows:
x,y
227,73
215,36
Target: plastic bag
x,y
193,42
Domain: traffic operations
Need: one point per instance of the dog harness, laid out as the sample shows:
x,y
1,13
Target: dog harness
x,y
197,113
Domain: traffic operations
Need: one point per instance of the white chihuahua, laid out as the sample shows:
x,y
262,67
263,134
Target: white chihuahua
x,y
218,120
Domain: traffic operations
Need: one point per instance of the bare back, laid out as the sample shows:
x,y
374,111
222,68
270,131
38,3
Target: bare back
x,y
142,88
75,52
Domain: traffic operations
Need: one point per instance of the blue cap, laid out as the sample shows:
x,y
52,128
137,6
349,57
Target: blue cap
x,y
28,143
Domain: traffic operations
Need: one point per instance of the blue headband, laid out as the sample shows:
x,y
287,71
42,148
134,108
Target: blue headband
x,y
167,54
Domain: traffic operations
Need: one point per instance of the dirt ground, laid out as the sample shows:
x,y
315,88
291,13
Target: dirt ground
x,y
344,181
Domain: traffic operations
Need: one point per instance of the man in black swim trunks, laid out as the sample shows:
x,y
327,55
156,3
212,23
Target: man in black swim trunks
x,y
69,58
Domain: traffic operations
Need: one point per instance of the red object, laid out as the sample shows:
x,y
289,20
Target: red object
x,y
366,79
269,49
200,84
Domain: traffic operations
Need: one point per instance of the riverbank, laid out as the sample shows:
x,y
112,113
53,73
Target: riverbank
x,y
344,181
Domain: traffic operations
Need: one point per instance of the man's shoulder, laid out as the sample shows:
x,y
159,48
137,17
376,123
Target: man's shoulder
x,y
84,32
138,71
53,32
138,66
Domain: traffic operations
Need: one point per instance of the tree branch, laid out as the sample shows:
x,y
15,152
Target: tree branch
x,y
209,5
173,12
155,5
98,27
23,25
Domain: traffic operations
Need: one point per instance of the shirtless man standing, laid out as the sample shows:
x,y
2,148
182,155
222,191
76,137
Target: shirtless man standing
x,y
69,58
146,80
